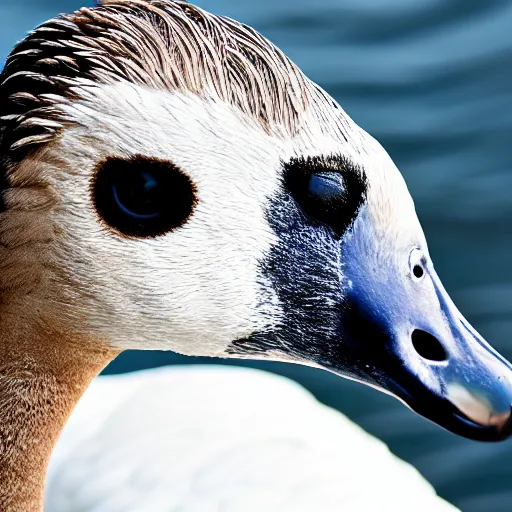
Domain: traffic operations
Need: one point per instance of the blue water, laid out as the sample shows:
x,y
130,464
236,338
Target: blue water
x,y
432,80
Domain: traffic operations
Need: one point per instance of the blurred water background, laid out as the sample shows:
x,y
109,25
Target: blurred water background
x,y
432,80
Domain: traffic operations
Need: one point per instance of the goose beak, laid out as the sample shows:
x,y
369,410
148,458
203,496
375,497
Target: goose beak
x,y
407,338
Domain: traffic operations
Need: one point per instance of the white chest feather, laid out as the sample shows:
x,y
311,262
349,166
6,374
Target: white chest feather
x,y
199,439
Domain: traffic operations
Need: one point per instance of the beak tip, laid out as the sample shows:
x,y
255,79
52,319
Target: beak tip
x,y
503,423
498,427
478,415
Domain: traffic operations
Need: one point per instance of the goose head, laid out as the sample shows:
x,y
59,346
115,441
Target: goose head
x,y
173,182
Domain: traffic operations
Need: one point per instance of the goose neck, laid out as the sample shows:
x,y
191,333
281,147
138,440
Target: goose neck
x,y
43,373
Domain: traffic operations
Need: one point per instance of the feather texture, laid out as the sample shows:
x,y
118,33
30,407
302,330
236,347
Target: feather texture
x,y
160,44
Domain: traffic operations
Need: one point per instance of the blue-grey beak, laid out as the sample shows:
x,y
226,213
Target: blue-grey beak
x,y
402,333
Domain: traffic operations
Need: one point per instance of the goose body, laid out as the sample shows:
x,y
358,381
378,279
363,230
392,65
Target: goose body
x,y
199,438
170,180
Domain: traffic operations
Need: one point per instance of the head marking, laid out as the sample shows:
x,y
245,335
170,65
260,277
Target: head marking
x,y
162,45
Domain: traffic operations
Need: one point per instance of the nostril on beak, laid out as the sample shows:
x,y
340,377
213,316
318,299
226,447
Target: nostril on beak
x,y
428,346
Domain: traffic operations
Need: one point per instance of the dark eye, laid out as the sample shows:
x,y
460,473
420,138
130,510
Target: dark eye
x,y
141,196
327,187
329,190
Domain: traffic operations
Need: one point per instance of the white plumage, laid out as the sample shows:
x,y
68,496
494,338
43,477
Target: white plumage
x,y
205,439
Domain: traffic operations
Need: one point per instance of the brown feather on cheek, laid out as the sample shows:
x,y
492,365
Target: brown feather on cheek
x,y
26,231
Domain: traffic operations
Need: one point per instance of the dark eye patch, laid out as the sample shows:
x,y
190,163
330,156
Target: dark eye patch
x,y
329,190
142,197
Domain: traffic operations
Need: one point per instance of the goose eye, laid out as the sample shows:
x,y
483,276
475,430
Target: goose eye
x,y
142,197
327,187
329,190
139,197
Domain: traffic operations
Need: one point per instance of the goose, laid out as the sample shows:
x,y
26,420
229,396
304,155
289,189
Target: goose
x,y
170,180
